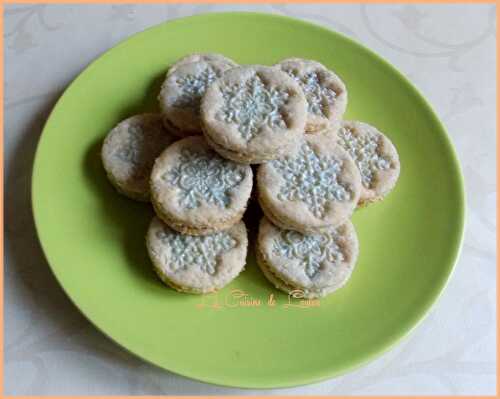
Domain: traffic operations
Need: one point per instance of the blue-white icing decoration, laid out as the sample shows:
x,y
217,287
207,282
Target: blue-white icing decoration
x,y
311,179
193,87
204,177
251,105
318,96
363,148
132,150
201,252
311,250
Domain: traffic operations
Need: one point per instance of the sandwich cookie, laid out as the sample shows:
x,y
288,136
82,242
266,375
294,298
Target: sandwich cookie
x,y
196,191
253,114
325,92
196,264
315,187
129,151
315,264
375,156
181,93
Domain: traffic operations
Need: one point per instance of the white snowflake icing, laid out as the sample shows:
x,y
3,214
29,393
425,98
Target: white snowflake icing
x,y
201,252
311,179
312,250
193,87
318,96
204,176
251,105
132,150
363,149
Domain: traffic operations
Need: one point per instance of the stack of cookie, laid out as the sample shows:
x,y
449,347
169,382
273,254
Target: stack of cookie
x,y
192,161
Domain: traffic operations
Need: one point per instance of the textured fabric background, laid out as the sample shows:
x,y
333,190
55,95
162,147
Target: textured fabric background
x,y
448,52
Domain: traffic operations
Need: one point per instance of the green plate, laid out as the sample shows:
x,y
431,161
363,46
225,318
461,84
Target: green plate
x,y
93,238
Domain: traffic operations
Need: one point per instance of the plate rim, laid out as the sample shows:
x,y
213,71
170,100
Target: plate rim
x,y
326,373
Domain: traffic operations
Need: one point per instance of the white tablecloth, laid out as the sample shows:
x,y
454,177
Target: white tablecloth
x,y
448,51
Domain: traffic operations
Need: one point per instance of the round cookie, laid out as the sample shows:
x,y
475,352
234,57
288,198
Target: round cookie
x,y
197,264
315,187
325,92
375,156
253,114
129,151
199,57
316,264
196,191
181,93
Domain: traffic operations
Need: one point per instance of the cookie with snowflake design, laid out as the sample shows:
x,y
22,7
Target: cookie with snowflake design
x,y
196,191
129,151
325,92
313,264
202,57
375,156
253,114
197,264
181,93
315,187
